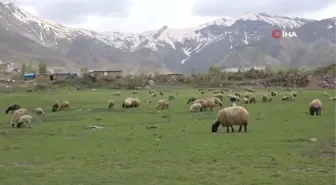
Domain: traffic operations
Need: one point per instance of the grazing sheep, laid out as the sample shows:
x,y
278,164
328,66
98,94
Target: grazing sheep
x,y
325,93
293,93
17,115
274,93
253,99
219,95
210,103
234,98
246,101
39,111
191,99
269,99
162,104
285,98
56,106
110,103
24,119
65,105
171,97
195,107
153,94
161,93
203,103
202,92
315,107
127,103
13,107
264,98
116,94
247,95
332,98
218,101
136,102
227,117
237,94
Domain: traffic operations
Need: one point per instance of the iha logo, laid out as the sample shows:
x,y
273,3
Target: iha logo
x,y
277,34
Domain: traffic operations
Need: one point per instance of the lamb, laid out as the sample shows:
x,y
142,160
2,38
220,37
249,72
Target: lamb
x,y
195,107
13,107
56,106
17,115
65,105
315,107
24,119
227,117
219,95
203,103
39,111
191,99
110,103
162,104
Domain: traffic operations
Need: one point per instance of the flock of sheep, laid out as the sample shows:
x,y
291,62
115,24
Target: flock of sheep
x,y
227,117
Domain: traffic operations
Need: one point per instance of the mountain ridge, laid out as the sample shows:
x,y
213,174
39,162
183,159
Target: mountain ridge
x,y
176,50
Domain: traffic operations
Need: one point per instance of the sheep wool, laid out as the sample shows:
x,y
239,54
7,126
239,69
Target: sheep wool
x,y
135,102
195,107
24,119
162,104
110,103
210,103
17,115
127,103
203,103
230,116
315,107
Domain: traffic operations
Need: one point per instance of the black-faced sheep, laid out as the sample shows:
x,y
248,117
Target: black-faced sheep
x,y
315,107
110,103
227,117
56,107
264,98
195,107
13,107
17,115
191,99
234,98
162,104
39,111
24,119
274,93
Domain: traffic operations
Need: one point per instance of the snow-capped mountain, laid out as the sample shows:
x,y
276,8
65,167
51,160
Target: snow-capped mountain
x,y
26,37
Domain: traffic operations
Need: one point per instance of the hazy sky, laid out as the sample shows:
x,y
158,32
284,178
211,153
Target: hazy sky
x,y
143,15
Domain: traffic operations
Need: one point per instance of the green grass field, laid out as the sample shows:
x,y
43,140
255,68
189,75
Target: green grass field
x,y
59,150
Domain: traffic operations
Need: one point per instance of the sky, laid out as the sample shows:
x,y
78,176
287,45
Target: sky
x,y
143,15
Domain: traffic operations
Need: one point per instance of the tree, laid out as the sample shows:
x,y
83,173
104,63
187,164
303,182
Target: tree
x,y
42,68
23,69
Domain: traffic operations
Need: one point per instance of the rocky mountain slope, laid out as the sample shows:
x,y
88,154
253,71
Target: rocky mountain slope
x,y
242,42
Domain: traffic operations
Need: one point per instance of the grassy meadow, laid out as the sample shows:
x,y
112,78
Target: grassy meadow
x,y
179,150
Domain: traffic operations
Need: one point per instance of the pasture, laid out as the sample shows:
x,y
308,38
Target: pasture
x,y
143,146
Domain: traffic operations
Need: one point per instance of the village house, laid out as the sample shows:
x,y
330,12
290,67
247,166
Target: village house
x,y
59,76
106,75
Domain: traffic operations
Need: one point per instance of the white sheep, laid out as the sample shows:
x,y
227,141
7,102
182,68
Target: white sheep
x,y
39,111
325,93
195,107
24,119
246,100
